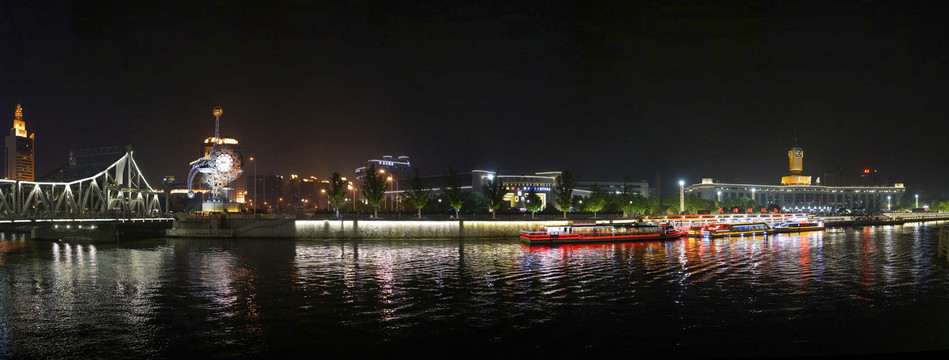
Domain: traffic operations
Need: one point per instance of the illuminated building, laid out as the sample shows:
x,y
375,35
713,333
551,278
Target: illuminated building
x,y
517,187
796,160
19,150
399,167
797,194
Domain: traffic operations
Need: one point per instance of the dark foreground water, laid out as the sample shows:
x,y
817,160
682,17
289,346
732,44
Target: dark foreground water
x,y
845,291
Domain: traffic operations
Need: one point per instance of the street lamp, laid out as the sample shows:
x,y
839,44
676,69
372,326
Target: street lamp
x,y
255,184
323,191
917,201
719,196
681,196
350,186
395,194
888,203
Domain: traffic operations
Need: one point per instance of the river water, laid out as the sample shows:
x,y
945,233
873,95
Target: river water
x,y
858,290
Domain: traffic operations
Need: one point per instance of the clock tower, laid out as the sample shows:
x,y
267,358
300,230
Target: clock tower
x,y
796,166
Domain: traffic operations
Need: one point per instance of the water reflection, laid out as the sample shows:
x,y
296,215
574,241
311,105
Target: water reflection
x,y
839,291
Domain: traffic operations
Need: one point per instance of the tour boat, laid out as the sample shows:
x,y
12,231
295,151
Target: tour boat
x,y
571,234
729,229
798,226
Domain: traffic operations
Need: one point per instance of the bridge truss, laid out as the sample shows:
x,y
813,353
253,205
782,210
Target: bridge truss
x,y
120,190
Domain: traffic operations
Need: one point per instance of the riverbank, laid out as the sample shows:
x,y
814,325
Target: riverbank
x,y
239,226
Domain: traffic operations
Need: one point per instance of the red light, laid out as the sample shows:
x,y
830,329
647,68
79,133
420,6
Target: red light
x,y
866,171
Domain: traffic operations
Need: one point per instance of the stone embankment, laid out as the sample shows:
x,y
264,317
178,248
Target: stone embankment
x,y
881,219
240,226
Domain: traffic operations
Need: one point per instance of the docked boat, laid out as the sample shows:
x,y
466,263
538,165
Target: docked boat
x,y
798,226
572,234
729,229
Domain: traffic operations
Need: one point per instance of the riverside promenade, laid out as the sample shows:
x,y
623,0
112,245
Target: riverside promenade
x,y
470,227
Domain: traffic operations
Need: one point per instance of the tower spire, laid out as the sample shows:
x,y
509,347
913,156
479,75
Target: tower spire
x,y
217,123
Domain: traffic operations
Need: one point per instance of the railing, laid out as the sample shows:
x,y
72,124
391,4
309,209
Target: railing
x,y
220,233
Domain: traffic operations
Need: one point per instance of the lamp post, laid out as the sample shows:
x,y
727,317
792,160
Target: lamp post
x,y
354,195
888,203
719,196
255,185
395,193
323,191
681,196
917,201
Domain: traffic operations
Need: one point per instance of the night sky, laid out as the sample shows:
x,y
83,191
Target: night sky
x,y
687,89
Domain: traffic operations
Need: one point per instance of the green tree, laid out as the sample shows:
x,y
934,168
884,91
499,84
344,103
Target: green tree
x,y
374,188
418,193
625,198
694,204
563,189
494,192
533,203
336,191
596,201
453,191
638,204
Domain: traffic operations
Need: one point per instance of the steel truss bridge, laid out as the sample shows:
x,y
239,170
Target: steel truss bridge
x,y
119,190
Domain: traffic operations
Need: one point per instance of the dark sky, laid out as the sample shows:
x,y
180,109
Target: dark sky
x,y
688,89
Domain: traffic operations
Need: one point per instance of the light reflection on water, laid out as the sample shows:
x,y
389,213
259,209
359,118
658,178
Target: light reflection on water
x,y
845,290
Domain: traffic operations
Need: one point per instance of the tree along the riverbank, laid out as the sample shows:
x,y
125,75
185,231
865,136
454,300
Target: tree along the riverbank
x,y
335,191
595,201
563,190
374,187
453,190
418,193
533,203
493,190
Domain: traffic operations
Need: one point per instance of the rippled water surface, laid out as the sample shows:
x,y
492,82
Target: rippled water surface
x,y
844,291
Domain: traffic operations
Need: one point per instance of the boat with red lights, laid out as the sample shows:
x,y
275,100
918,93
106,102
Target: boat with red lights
x,y
595,233
729,229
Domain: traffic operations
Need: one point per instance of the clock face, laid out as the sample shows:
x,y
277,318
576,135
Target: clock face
x,y
798,154
224,162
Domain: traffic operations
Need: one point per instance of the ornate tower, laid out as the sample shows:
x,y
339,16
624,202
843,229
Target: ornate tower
x,y
796,166
796,156
18,150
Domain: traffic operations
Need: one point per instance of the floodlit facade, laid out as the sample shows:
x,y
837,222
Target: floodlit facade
x,y
19,150
796,194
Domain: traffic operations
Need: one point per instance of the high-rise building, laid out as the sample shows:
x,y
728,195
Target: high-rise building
x,y
18,150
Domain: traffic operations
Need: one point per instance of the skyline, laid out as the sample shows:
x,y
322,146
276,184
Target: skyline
x,y
689,91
